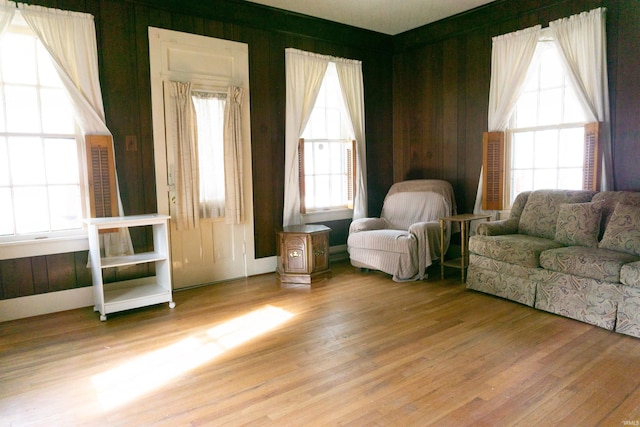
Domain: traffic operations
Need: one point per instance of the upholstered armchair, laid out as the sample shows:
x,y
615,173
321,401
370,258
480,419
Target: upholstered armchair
x,y
405,240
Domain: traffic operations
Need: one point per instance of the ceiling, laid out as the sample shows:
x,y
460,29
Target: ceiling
x,y
384,16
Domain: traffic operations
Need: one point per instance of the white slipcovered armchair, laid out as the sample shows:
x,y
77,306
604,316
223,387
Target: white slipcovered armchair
x,y
405,239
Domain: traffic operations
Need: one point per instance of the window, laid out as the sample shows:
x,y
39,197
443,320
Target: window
x,y
40,172
546,133
327,152
209,108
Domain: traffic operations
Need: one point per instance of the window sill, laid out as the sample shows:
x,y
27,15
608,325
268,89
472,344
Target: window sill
x,y
46,246
328,215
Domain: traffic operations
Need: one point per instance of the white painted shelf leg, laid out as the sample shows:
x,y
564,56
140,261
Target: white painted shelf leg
x,y
172,304
103,317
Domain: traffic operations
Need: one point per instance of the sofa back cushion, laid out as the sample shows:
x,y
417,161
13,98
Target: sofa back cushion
x,y
609,200
540,214
579,224
623,231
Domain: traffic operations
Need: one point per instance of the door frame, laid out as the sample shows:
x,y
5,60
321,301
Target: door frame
x,y
159,38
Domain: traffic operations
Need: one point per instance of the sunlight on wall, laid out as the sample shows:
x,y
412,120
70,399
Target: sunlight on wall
x,y
133,379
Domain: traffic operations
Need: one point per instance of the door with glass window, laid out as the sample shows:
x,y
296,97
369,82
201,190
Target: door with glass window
x,y
213,251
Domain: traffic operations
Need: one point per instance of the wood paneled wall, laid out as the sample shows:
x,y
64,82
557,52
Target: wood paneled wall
x,y
441,75
426,95
121,27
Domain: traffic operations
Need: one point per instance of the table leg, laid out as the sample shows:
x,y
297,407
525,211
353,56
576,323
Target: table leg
x,y
441,249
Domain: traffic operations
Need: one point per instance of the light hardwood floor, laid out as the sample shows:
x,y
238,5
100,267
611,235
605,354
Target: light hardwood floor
x,y
357,350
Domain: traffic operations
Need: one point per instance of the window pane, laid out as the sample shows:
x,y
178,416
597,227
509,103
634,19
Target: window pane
x,y
322,157
573,112
570,179
337,158
3,127
527,110
322,192
522,150
46,72
546,149
4,163
57,114
522,180
18,59
22,109
550,107
545,178
337,191
551,71
333,124
65,208
27,161
6,212
30,203
571,150
61,158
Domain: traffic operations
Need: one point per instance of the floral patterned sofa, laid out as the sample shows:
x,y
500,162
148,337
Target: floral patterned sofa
x,y
572,253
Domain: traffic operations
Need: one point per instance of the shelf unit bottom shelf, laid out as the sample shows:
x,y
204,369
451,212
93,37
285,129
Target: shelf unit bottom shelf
x,y
129,294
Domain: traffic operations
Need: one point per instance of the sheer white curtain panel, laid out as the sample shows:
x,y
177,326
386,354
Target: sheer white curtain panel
x,y
209,108
7,10
186,156
70,39
352,86
233,157
511,56
304,74
582,43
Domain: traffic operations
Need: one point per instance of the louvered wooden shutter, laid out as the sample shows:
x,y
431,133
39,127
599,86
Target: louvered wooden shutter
x,y
301,182
591,171
103,201
492,170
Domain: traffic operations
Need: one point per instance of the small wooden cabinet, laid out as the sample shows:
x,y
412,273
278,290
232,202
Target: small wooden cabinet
x,y
303,254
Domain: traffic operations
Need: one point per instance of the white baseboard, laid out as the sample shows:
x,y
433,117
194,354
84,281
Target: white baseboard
x,y
52,302
36,305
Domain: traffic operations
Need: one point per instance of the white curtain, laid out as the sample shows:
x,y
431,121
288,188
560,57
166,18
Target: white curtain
x,y
582,42
352,86
186,156
70,39
209,112
233,171
304,74
511,55
7,10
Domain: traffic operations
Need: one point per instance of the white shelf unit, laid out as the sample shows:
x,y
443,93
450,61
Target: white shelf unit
x,y
128,294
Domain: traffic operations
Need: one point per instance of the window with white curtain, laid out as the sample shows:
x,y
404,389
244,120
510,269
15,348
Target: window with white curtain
x,y
41,178
545,135
327,172
209,108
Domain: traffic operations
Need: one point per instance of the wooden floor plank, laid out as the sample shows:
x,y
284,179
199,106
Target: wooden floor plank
x,y
358,349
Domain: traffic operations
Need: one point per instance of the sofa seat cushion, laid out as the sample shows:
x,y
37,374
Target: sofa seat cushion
x,y
587,262
518,249
397,241
630,274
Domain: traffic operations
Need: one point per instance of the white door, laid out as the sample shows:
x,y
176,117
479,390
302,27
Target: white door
x,y
215,251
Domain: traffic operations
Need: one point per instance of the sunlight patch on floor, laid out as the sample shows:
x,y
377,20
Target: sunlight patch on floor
x,y
143,374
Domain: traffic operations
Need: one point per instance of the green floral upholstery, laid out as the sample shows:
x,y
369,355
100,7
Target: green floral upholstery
x,y
623,230
547,255
517,249
540,214
630,274
582,261
578,224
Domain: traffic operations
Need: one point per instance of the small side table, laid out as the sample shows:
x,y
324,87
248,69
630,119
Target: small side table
x,y
463,261
303,254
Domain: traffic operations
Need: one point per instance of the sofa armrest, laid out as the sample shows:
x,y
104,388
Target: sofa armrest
x,y
497,228
366,224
